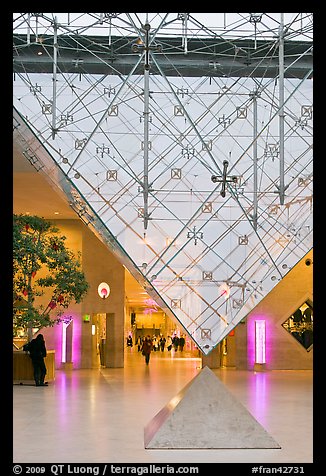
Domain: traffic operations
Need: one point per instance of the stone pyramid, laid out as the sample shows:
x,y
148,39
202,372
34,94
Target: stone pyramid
x,y
204,414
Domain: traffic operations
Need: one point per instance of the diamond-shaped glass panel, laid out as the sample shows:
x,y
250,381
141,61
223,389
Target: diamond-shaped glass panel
x,y
301,325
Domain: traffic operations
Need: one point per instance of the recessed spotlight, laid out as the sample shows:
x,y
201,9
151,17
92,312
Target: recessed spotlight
x,y
56,213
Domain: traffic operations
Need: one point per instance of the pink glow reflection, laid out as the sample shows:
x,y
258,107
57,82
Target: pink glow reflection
x,y
258,396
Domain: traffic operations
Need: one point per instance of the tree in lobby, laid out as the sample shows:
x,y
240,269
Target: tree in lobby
x,y
39,248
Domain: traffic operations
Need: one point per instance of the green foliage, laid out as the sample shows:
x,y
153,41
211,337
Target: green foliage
x,y
37,244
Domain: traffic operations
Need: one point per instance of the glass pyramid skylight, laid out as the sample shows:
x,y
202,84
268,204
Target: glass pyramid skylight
x,y
196,173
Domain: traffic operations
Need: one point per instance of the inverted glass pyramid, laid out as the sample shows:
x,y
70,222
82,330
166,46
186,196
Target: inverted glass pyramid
x,y
196,173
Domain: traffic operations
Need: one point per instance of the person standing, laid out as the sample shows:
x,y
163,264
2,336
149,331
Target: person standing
x,y
37,352
169,342
139,343
155,343
129,341
175,342
162,343
147,348
182,342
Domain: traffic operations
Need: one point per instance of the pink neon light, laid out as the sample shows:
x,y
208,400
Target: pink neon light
x,y
64,342
260,342
65,324
149,310
151,303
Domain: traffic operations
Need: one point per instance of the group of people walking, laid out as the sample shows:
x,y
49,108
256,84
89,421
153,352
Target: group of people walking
x,y
147,344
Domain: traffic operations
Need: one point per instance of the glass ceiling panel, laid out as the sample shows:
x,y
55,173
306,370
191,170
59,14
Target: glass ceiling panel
x,y
199,179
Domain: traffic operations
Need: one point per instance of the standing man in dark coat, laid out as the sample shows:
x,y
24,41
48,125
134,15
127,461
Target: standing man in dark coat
x,y
37,352
182,342
147,348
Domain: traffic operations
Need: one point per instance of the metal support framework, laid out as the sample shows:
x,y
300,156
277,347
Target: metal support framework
x,y
214,57
224,179
184,36
146,124
282,187
146,139
193,124
255,158
146,48
237,226
54,93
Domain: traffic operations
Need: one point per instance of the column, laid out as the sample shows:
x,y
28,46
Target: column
x,y
114,347
212,360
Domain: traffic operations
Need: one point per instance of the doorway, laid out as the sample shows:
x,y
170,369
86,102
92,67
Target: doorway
x,y
98,339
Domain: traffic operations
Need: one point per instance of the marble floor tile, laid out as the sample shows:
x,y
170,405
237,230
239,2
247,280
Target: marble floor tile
x,y
99,415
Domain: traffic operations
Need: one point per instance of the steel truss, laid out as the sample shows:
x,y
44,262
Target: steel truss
x,y
198,176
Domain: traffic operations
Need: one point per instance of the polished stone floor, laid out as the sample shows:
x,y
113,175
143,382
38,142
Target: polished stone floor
x,y
98,416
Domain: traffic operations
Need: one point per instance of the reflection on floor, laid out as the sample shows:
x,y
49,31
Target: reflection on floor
x,y
98,416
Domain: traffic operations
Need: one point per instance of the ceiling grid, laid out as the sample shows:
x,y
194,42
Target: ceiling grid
x,y
183,140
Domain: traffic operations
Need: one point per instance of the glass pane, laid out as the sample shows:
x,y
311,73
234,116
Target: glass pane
x,y
166,142
300,325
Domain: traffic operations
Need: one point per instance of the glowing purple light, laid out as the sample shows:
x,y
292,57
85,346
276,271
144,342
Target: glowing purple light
x,y
151,303
149,310
260,342
64,342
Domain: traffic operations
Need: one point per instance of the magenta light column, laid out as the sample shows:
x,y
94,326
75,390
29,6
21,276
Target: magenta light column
x,y
66,341
76,342
260,344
